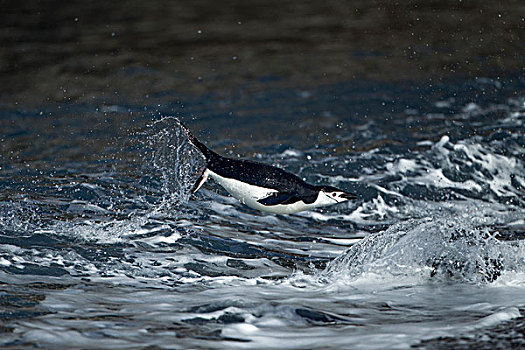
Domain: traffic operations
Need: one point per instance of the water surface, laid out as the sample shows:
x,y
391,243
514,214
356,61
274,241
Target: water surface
x,y
102,245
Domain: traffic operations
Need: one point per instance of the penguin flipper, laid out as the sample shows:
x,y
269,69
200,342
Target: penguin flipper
x,y
279,198
200,181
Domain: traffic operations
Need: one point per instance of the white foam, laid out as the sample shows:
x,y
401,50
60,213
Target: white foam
x,y
171,239
403,166
506,314
436,178
291,153
500,167
471,107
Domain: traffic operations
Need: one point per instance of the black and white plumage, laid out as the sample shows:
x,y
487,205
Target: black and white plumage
x,y
262,186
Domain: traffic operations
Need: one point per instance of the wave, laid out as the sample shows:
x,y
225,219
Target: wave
x,y
464,247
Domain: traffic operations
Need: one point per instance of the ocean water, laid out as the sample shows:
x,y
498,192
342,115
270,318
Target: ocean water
x,y
103,246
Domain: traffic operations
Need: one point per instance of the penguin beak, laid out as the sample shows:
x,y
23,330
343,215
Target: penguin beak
x,y
347,195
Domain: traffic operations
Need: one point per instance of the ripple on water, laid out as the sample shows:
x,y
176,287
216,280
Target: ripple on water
x,y
119,255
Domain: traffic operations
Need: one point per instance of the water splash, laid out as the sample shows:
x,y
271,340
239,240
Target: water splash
x,y
113,207
170,166
174,162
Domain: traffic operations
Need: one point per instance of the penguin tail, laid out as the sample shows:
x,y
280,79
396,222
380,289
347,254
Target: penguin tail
x,y
206,152
193,140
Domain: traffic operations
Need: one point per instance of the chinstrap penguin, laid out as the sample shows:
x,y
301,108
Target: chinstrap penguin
x,y
262,186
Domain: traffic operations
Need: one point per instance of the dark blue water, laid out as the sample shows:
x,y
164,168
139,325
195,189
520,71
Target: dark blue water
x,y
102,246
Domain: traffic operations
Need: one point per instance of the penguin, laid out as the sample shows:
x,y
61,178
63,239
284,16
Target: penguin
x,y
262,186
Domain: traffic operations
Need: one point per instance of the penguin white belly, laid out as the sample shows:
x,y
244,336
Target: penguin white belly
x,y
250,194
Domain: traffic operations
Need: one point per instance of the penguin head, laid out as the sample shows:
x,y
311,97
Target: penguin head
x,y
332,194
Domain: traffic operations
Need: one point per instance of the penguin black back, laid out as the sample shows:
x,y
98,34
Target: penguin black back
x,y
248,171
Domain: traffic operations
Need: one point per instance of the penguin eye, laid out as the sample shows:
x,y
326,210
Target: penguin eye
x,y
334,194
